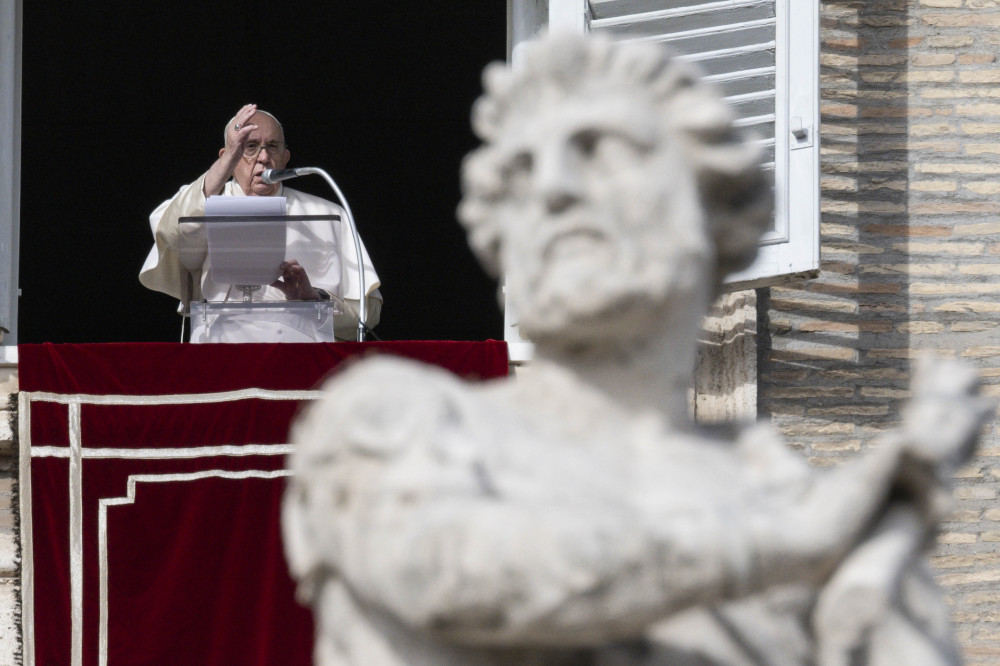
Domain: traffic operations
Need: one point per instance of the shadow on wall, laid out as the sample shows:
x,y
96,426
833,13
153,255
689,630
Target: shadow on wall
x,y
835,349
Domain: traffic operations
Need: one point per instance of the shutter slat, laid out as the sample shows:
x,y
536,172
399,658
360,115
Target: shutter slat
x,y
734,60
754,120
732,77
751,97
745,81
751,108
716,37
611,8
732,42
766,48
712,15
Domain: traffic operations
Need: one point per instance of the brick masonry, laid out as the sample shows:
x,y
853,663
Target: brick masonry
x,y
9,557
910,104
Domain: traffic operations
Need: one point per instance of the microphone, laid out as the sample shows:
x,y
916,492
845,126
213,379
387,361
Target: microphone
x,y
272,176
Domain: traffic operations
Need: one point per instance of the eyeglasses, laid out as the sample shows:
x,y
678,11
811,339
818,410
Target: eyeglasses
x,y
251,149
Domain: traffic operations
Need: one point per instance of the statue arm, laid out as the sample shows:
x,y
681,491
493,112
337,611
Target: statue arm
x,y
446,549
487,572
419,523
479,569
940,428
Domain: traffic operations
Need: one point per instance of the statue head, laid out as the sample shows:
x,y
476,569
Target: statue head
x,y
610,185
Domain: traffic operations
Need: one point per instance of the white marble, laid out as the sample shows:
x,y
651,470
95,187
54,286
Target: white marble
x,y
576,515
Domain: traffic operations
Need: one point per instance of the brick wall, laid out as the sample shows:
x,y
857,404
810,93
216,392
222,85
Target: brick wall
x,y
9,557
910,260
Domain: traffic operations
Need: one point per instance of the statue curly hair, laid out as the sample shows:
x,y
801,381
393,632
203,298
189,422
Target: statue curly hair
x,y
735,193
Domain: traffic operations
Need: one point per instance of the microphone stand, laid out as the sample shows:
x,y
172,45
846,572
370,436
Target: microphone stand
x,y
277,175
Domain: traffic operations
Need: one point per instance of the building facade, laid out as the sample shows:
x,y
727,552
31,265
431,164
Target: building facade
x,y
910,264
910,261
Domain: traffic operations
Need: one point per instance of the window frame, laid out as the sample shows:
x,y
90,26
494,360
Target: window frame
x,y
10,167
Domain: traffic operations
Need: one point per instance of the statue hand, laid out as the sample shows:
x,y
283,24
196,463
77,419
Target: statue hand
x,y
941,424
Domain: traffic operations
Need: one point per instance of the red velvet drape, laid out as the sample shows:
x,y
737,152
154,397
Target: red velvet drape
x,y
194,564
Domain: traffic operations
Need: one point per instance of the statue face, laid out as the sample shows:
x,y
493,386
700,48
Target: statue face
x,y
601,222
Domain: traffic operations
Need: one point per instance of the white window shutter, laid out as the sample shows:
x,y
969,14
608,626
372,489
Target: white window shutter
x,y
568,15
764,55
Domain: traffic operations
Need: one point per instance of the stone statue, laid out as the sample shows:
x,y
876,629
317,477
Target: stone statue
x,y
575,515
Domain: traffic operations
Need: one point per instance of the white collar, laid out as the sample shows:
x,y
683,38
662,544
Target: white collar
x,y
233,189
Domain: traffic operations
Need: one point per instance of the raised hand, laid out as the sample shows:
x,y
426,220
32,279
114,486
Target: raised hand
x,y
237,133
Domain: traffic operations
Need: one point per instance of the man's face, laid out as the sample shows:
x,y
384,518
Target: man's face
x,y
270,142
601,222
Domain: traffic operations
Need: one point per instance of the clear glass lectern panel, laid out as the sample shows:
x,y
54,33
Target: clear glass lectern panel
x,y
244,250
290,321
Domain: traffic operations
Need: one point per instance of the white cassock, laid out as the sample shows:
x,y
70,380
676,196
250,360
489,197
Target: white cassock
x,y
324,249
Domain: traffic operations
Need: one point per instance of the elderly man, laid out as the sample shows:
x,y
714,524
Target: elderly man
x,y
314,269
566,516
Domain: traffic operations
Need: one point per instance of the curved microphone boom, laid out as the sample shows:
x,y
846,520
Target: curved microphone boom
x,y
271,176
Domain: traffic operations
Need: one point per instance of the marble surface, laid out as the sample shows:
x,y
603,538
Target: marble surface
x,y
577,515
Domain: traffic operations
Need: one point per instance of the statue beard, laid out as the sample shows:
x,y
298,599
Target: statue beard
x,y
607,268
599,291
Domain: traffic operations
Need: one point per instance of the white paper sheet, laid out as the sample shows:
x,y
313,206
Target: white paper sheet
x,y
223,205
246,252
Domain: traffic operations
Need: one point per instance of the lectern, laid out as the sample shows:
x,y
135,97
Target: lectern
x,y
245,251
